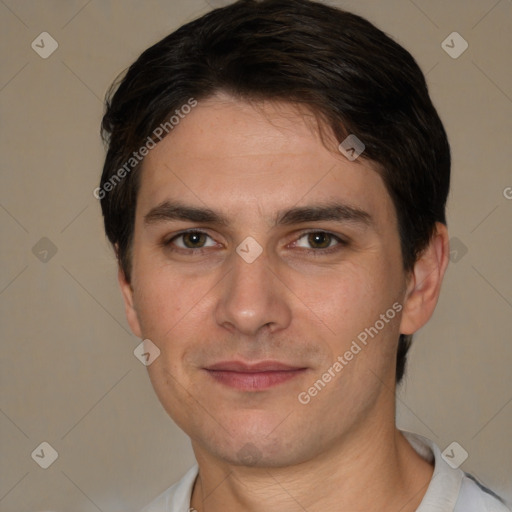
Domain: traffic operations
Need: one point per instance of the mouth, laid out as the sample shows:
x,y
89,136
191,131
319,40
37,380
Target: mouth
x,y
253,377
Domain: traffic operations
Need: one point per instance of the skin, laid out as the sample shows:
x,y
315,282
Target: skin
x,y
297,303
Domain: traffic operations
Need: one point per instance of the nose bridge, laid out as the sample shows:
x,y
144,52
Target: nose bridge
x,y
251,298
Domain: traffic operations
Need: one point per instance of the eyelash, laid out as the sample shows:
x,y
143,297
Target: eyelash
x,y
317,252
340,242
199,250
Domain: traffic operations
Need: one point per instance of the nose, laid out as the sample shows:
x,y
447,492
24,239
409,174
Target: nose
x,y
252,298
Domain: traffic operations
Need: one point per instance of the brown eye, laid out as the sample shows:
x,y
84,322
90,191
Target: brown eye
x,y
192,240
320,240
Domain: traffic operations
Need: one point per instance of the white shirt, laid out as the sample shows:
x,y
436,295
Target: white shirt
x,y
450,490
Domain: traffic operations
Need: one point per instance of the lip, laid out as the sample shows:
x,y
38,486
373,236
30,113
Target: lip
x,y
262,366
254,376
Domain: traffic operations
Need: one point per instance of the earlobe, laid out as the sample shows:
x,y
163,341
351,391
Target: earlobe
x,y
424,285
129,305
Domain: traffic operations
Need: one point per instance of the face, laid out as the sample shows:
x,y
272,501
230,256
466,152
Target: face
x,y
261,260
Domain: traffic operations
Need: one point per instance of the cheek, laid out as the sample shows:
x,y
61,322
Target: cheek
x,y
175,312
348,296
157,307
351,305
164,297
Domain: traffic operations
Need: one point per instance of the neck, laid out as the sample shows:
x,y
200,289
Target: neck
x,y
373,468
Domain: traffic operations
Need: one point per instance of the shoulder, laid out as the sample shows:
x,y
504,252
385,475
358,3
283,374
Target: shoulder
x,y
450,489
474,496
177,497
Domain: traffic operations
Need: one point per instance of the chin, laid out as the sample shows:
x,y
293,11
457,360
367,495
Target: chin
x,y
255,448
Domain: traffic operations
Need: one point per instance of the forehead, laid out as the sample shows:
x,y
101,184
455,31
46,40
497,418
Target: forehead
x,y
268,155
267,127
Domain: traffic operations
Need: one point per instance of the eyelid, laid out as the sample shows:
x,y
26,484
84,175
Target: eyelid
x,y
341,242
167,241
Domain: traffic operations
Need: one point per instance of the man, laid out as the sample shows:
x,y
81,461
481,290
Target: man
x,y
275,190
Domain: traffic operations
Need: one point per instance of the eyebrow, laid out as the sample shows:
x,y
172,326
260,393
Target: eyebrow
x,y
168,211
330,212
172,210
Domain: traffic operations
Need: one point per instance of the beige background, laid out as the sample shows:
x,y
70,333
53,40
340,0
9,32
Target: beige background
x,y
68,373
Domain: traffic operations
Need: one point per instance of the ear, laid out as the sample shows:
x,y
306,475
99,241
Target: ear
x,y
424,283
129,306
